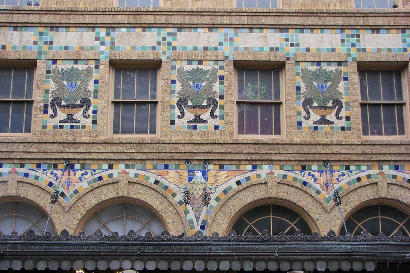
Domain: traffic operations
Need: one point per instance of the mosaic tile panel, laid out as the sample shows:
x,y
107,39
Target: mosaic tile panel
x,y
215,180
322,96
71,94
197,95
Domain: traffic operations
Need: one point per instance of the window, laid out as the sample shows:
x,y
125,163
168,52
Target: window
x,y
122,218
21,217
370,4
273,219
382,102
20,2
139,3
378,219
135,101
256,3
16,103
259,103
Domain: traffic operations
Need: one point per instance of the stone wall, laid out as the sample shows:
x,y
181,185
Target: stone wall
x,y
90,42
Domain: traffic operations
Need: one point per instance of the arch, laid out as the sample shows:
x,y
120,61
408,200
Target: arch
x,y
18,216
374,191
272,191
32,193
125,189
379,215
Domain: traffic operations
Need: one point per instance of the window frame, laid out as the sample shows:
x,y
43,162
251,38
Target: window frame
x,y
34,3
139,6
16,64
261,65
374,1
134,65
386,66
278,5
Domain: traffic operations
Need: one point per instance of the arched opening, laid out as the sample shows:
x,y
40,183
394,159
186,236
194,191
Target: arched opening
x,y
122,218
378,218
270,219
20,217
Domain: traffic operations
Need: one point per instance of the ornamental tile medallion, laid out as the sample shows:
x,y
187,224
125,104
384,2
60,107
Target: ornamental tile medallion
x,y
197,95
71,94
323,100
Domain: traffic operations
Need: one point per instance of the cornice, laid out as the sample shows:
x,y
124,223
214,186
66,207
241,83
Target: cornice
x,y
205,18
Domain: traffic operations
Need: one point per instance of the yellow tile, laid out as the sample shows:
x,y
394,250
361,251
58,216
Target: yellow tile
x,y
41,29
49,126
344,186
282,39
8,47
205,62
338,50
347,31
336,167
322,196
291,30
362,31
316,31
327,128
276,167
149,166
304,128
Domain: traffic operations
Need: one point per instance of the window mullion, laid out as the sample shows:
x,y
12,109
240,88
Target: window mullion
x,y
367,86
149,118
120,118
135,116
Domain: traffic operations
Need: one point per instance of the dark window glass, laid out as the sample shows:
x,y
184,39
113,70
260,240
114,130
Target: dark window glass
x,y
127,118
375,120
382,103
373,85
378,219
135,107
141,118
4,116
258,103
388,91
389,119
5,83
17,117
272,219
16,91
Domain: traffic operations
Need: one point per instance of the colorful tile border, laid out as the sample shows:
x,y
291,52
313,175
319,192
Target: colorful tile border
x,y
167,41
315,178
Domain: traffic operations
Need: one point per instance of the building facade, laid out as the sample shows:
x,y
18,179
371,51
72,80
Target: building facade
x,y
203,117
